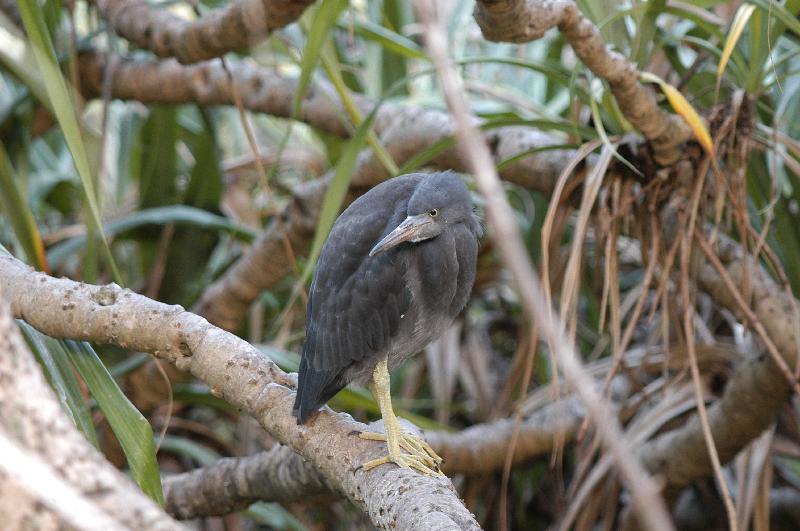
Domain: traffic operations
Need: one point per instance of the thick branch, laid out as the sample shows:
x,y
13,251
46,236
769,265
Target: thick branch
x,y
528,20
232,484
34,496
32,419
241,24
281,475
238,373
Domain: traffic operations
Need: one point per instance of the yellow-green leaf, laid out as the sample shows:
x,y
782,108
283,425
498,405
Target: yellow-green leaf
x,y
739,23
684,109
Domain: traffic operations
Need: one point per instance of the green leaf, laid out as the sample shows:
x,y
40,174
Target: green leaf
x,y
63,107
58,371
205,183
324,18
393,65
783,15
188,448
159,161
132,430
174,214
387,39
19,216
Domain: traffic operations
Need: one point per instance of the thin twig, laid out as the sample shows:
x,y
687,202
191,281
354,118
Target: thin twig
x,y
688,320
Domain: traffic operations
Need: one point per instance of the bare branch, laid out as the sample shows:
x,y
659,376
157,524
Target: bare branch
x,y
281,475
241,24
528,20
238,373
231,484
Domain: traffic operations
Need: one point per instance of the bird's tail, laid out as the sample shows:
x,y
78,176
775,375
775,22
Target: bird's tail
x,y
314,388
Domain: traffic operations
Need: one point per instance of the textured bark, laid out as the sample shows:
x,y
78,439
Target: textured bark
x,y
235,371
528,20
34,496
281,475
482,448
233,483
241,24
404,129
33,421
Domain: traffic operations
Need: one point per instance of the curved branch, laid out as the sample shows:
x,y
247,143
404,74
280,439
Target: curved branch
x,y
528,20
235,371
241,24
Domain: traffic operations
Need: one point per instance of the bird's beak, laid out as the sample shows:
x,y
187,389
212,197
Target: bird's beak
x,y
411,229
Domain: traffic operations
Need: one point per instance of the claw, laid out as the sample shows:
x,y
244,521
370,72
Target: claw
x,y
417,455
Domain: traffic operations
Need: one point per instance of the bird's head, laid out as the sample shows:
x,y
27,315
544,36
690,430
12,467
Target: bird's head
x,y
439,202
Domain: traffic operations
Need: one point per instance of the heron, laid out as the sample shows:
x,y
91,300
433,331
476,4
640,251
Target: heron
x,y
395,271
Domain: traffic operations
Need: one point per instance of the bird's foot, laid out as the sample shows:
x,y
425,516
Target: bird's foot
x,y
413,453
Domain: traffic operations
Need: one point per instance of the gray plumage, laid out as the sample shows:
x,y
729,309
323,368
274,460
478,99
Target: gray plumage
x,y
363,308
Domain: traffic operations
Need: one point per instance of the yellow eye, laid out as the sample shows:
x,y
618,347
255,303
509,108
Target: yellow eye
x,y
433,212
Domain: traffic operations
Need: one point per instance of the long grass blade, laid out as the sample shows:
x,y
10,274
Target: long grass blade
x,y
743,14
58,371
130,427
159,216
62,105
684,109
19,216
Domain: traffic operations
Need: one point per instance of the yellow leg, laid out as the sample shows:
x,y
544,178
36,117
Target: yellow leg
x,y
418,454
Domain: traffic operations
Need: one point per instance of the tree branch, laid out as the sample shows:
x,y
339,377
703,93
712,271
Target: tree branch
x,y
34,496
528,20
232,483
238,373
241,24
281,475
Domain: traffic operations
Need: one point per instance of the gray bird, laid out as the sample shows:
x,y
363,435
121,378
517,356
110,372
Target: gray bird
x,y
396,269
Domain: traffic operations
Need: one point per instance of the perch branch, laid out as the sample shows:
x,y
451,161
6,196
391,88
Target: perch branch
x,y
281,475
241,375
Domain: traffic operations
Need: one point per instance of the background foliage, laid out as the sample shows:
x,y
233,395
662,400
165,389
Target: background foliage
x,y
178,194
